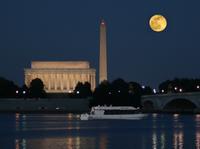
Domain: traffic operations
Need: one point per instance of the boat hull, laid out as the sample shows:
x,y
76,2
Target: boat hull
x,y
114,116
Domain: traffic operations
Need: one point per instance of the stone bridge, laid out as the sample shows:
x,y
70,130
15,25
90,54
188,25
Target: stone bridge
x,y
172,101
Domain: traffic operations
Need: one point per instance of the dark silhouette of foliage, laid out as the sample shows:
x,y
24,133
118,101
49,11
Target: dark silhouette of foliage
x,y
36,89
135,93
135,88
180,85
102,94
7,88
166,86
117,93
23,92
147,90
83,90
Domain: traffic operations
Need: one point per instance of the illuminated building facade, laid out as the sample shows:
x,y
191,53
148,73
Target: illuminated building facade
x,y
61,77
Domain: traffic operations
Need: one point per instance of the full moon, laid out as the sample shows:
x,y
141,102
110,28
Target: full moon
x,y
158,23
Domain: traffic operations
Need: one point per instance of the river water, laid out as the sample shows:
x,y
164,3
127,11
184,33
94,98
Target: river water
x,y
66,131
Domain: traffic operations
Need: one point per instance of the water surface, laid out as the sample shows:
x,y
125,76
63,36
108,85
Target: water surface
x,y
66,131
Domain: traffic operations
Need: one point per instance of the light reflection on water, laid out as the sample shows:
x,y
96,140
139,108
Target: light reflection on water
x,y
178,140
59,131
178,137
54,143
197,140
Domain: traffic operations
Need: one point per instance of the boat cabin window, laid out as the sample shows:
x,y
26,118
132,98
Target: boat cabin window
x,y
120,111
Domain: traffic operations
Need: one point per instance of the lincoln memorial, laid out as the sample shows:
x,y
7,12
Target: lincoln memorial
x,y
61,77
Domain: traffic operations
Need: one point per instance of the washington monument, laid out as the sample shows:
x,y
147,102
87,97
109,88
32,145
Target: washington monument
x,y
103,53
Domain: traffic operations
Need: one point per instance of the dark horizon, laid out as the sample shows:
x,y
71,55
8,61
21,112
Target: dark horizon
x,y
69,30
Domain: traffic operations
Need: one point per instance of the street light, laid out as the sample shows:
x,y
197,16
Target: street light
x,y
175,88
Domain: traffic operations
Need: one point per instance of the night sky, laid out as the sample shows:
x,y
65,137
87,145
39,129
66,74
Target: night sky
x,y
69,30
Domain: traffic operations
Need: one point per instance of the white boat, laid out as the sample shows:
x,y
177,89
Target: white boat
x,y
113,112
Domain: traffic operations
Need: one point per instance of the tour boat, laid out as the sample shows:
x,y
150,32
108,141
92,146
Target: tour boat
x,y
113,112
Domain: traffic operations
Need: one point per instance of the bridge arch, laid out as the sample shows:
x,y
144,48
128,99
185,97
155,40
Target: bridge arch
x,y
148,105
180,104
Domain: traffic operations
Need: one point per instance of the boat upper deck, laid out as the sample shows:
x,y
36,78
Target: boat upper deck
x,y
114,108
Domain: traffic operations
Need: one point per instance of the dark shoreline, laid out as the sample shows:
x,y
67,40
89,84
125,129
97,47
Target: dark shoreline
x,y
55,105
43,112
80,112
66,106
171,111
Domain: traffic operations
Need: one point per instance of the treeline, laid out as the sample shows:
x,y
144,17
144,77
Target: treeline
x,y
118,92
180,85
8,89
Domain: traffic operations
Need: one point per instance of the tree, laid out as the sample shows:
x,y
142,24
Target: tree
x,y
23,92
83,90
128,93
120,92
7,88
102,94
117,93
135,93
147,91
180,85
165,86
135,88
87,89
37,89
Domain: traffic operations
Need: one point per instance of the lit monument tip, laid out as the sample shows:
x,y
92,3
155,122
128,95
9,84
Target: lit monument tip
x,y
158,23
102,53
102,22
